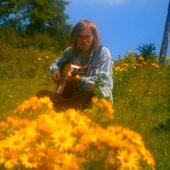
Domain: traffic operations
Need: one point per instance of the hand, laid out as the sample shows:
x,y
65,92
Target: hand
x,y
56,76
76,78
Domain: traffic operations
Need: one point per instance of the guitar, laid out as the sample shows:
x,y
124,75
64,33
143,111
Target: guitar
x,y
66,87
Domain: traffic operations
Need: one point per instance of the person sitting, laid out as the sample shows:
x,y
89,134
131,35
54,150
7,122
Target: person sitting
x,y
85,67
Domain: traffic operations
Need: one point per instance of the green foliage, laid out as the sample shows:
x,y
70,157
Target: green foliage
x,y
147,50
15,39
39,15
24,63
99,83
35,19
168,94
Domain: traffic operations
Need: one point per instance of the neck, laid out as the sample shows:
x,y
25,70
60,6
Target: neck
x,y
86,53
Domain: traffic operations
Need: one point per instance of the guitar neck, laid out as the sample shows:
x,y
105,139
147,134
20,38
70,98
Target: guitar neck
x,y
79,70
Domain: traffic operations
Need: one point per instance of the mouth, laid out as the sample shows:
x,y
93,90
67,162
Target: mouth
x,y
85,45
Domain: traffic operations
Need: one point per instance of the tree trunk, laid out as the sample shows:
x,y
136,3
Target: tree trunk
x,y
166,36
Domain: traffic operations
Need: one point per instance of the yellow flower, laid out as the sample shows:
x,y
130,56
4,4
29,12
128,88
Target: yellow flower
x,y
30,132
17,123
155,65
46,56
128,160
46,123
76,117
133,137
46,101
70,162
144,63
63,139
118,69
141,58
147,157
15,142
30,160
111,158
9,158
88,138
94,100
72,115
33,103
39,58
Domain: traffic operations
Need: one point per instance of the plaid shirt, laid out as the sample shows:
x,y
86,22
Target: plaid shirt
x,y
100,63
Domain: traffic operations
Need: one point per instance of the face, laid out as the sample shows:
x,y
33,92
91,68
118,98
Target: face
x,y
85,39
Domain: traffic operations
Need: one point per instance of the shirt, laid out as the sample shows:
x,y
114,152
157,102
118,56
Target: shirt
x,y
101,65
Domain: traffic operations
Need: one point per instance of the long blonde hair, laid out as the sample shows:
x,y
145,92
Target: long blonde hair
x,y
78,28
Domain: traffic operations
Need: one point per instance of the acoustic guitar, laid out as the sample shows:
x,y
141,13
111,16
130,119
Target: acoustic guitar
x,y
66,87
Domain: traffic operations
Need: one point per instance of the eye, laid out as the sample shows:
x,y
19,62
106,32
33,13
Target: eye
x,y
87,37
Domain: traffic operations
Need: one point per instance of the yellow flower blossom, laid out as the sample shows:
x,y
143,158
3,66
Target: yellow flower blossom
x,y
39,59
17,123
141,58
70,162
30,132
128,160
46,123
88,138
33,103
63,139
155,65
144,63
94,100
134,137
72,114
47,101
30,160
9,158
147,156
16,142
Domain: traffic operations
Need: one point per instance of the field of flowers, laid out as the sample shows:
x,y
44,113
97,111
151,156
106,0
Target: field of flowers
x,y
131,134
38,137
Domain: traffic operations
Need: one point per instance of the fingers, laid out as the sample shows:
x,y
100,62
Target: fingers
x,y
56,76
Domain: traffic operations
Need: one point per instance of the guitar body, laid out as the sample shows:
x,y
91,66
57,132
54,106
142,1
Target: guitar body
x,y
62,82
65,87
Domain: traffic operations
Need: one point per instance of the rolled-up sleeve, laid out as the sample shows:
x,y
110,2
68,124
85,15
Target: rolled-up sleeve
x,y
105,71
58,63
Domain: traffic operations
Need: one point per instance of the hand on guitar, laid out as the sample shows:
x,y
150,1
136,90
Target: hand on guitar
x,y
70,77
56,76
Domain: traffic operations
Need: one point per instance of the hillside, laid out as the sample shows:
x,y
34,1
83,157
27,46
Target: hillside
x,y
141,98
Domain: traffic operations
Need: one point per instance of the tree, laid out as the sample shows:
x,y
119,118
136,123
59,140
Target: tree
x,y
41,21
165,40
147,50
34,16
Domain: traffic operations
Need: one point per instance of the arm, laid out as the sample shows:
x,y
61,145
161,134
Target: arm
x,y
59,63
104,69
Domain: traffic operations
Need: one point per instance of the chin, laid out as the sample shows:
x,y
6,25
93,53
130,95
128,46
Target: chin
x,y
85,48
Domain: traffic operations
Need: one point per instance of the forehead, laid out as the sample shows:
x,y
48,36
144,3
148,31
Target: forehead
x,y
86,31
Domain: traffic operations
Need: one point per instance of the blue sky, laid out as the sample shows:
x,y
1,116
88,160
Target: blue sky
x,y
123,24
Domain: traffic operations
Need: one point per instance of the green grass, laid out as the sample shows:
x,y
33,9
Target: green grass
x,y
14,91
141,99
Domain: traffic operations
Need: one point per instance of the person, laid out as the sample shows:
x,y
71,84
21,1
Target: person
x,y
86,50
